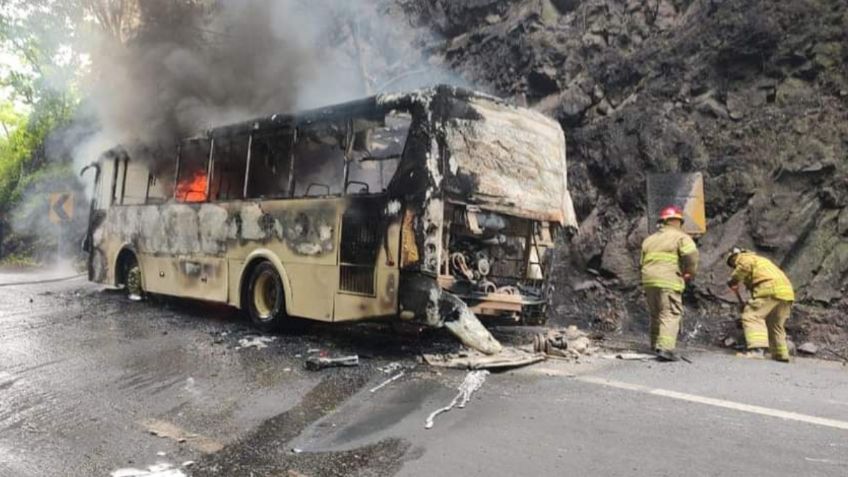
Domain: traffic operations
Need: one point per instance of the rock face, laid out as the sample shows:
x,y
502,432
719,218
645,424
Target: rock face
x,y
753,93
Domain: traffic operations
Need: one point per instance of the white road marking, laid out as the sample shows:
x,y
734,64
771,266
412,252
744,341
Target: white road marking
x,y
765,411
824,461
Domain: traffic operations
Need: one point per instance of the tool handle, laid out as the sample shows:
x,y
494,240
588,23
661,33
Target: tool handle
x,y
741,301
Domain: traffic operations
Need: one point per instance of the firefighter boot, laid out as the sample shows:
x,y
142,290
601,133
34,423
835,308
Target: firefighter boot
x,y
665,355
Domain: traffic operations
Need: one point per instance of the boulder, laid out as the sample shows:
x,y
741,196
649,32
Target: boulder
x,y
808,348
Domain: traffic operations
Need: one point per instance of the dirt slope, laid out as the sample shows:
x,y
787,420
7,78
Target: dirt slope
x,y
753,93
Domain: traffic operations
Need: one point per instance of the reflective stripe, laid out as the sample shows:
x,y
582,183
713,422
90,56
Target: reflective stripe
x,y
756,339
665,284
660,257
666,342
780,352
688,248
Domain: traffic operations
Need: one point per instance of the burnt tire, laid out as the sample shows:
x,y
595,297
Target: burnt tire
x,y
265,301
131,278
264,297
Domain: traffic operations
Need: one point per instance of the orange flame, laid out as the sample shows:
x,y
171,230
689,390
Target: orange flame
x,y
193,188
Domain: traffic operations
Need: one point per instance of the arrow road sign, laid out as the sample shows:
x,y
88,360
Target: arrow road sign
x,y
61,207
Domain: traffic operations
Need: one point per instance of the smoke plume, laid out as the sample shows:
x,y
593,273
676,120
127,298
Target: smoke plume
x,y
190,65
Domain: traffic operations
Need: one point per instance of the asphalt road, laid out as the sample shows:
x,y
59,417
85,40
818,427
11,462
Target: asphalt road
x,y
92,384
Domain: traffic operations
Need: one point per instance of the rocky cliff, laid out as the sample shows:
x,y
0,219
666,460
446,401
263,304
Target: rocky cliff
x,y
753,93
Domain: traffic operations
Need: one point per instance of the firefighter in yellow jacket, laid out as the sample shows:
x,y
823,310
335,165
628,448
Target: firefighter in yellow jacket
x,y
669,260
765,314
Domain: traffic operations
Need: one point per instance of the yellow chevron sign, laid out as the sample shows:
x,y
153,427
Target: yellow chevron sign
x,y
61,207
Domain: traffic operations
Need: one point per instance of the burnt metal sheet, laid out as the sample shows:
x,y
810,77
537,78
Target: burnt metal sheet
x,y
509,160
685,190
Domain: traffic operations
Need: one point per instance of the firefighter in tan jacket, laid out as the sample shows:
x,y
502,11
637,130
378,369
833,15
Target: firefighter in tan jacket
x,y
669,260
765,314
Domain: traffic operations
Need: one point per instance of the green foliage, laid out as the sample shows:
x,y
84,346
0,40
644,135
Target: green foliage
x,y
40,83
42,35
21,151
18,260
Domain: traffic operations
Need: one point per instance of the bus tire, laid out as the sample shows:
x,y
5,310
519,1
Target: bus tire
x,y
265,297
130,276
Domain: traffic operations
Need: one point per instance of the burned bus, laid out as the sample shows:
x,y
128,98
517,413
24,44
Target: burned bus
x,y
439,205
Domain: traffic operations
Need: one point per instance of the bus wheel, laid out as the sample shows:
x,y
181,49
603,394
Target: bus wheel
x,y
265,298
132,278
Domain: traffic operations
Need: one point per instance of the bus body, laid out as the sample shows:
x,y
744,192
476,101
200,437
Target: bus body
x,y
380,207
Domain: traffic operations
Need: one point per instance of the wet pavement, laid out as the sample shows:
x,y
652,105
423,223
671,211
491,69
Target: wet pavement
x,y
92,384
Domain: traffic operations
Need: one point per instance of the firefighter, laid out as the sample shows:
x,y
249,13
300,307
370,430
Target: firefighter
x,y
669,260
765,314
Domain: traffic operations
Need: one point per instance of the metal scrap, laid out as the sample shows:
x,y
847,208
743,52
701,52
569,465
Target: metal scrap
x,y
569,343
391,367
463,324
315,363
258,342
632,356
507,358
473,381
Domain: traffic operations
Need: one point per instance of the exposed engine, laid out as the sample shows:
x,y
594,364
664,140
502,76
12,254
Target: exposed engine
x,y
497,261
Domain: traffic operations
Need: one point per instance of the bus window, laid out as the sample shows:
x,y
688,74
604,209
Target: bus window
x,y
229,159
270,165
119,179
135,184
193,167
376,156
104,183
319,161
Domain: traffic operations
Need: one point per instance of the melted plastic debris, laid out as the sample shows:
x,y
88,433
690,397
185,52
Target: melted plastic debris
x,y
473,381
258,342
161,469
392,367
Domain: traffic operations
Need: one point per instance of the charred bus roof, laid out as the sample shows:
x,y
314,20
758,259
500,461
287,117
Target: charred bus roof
x,y
372,107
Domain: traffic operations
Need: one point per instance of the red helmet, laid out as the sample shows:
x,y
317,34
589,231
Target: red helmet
x,y
671,212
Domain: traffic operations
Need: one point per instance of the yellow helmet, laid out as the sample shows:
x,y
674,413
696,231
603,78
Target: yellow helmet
x,y
731,255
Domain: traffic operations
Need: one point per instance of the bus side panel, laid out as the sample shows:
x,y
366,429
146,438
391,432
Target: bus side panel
x,y
197,277
383,302
302,235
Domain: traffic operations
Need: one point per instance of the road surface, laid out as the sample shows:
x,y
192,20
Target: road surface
x,y
93,384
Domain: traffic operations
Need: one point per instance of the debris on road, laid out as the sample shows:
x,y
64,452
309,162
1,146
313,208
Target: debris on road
x,y
315,363
508,358
167,430
570,343
161,469
258,342
808,348
632,356
462,323
391,367
473,381
388,381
